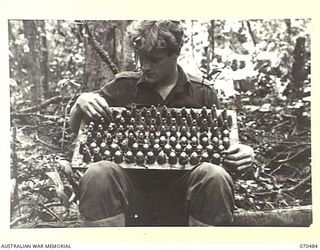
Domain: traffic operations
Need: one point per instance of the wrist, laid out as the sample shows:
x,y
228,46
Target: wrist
x,y
76,115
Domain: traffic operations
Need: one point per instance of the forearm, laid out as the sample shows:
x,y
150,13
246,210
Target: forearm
x,y
76,116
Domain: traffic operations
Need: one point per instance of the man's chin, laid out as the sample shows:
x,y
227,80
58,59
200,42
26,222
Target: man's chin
x,y
151,80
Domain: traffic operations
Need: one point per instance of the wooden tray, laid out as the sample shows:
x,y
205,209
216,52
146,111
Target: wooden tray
x,y
77,159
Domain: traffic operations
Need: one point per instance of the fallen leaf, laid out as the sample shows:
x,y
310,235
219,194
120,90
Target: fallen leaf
x,y
65,166
55,178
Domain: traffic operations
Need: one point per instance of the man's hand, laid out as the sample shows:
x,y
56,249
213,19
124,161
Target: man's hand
x,y
93,105
238,157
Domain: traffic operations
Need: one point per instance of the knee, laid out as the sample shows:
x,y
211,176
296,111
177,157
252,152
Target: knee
x,y
211,171
101,170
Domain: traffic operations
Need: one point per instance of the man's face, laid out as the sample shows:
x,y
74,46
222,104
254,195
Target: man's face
x,y
157,67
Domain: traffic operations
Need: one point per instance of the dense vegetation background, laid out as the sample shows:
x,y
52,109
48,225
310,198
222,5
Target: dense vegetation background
x,y
260,67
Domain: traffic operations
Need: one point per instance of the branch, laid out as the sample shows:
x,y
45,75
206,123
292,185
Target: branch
x,y
283,165
65,120
265,193
297,155
251,33
43,104
53,118
44,143
102,52
272,192
280,125
299,184
50,212
15,221
62,224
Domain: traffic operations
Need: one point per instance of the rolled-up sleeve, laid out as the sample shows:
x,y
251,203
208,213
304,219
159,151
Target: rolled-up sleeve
x,y
211,98
110,92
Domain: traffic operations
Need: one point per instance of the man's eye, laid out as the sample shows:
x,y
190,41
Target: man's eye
x,y
150,60
154,60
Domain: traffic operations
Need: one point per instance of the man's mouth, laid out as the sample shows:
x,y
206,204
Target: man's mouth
x,y
149,74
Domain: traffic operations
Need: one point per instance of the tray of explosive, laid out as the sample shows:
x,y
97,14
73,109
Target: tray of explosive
x,y
157,138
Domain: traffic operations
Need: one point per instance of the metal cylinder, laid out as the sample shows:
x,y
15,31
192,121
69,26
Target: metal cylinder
x,y
129,158
183,159
161,159
140,158
151,157
118,157
173,158
194,159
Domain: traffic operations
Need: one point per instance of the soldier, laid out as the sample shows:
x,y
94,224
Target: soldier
x,y
111,196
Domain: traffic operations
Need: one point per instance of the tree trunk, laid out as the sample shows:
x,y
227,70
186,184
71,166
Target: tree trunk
x,y
14,171
211,38
289,30
36,58
44,61
298,67
33,58
112,37
294,217
286,217
251,33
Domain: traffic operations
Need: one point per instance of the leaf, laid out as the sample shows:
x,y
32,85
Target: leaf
x,y
13,83
63,82
55,178
65,166
265,108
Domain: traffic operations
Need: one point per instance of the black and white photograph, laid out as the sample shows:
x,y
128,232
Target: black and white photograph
x,y
160,123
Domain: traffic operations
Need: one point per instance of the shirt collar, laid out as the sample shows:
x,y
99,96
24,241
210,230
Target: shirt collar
x,y
183,82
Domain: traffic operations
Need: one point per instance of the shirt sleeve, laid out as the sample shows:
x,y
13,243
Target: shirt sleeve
x,y
110,93
211,98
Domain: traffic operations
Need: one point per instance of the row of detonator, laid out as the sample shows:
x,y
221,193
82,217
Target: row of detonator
x,y
158,135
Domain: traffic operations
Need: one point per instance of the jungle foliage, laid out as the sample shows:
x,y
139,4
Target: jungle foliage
x,y
261,69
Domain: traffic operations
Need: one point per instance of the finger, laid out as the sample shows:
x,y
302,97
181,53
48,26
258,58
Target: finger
x,y
87,112
237,156
92,111
232,150
238,163
99,110
104,105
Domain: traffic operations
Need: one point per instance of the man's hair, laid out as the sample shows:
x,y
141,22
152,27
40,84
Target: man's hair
x,y
154,36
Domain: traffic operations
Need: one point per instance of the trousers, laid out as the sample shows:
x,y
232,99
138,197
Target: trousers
x,y
149,197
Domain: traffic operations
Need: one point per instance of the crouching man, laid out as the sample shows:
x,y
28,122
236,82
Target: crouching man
x,y
112,196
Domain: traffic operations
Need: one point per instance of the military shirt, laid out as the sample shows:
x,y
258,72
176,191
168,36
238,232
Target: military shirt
x,y
129,87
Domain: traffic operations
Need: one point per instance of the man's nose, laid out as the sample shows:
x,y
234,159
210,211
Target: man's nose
x,y
146,65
